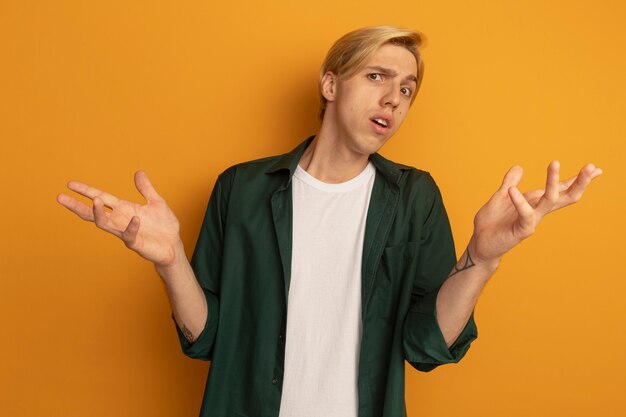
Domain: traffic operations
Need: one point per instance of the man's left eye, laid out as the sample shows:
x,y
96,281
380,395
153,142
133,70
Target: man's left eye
x,y
406,91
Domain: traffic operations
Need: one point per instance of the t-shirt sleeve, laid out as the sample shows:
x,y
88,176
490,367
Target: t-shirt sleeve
x,y
424,345
207,264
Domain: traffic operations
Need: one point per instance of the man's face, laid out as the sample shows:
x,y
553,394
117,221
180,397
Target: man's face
x,y
370,105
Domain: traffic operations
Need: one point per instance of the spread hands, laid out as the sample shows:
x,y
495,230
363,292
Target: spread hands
x,y
152,230
510,216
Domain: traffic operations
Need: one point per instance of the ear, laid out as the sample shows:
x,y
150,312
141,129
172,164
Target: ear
x,y
328,86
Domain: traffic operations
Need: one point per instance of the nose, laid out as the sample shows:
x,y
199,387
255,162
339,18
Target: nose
x,y
391,98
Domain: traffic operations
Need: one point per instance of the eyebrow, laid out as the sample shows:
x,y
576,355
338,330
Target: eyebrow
x,y
391,73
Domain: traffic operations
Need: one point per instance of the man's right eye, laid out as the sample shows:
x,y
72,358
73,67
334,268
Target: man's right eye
x,y
375,76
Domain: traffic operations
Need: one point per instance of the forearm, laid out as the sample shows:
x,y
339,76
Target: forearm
x,y
459,293
185,295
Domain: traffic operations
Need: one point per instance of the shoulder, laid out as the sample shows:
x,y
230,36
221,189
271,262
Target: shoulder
x,y
419,190
259,166
253,168
419,196
408,178
417,178
252,180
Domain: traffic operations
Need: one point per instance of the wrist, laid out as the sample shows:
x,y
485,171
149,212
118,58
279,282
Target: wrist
x,y
487,263
175,261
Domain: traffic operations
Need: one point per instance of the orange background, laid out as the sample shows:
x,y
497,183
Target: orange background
x,y
96,90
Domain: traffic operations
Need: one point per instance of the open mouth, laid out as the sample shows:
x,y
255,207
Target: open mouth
x,y
380,122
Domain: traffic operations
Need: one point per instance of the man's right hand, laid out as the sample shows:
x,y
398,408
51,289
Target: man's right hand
x,y
152,230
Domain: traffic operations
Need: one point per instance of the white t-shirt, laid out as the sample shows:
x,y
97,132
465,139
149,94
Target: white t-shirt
x,y
324,326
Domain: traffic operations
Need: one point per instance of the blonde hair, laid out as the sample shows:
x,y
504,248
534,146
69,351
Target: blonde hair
x,y
351,52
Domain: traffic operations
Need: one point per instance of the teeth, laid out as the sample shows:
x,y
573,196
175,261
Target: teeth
x,y
381,122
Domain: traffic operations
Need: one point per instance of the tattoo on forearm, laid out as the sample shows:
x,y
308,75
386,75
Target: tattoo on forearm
x,y
468,264
187,334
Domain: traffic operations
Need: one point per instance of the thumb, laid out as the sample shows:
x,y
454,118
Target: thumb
x,y
511,179
145,187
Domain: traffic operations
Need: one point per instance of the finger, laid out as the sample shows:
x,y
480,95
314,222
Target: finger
x,y
145,187
551,195
564,185
535,195
79,208
596,173
92,192
584,177
101,218
511,179
129,236
526,214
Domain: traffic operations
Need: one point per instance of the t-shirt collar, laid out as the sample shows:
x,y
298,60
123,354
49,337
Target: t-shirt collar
x,y
390,170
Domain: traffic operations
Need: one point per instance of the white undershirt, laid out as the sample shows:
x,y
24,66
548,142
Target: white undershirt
x,y
324,305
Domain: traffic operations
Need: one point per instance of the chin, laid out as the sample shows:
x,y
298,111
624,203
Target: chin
x,y
374,145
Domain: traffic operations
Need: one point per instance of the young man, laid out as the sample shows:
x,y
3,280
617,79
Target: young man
x,y
319,272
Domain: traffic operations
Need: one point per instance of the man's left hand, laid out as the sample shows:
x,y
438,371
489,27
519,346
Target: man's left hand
x,y
510,216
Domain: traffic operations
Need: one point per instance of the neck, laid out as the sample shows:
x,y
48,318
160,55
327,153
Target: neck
x,y
329,159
